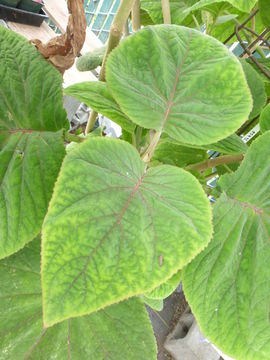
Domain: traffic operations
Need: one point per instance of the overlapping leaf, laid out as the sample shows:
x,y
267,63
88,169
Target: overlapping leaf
x,y
242,5
164,290
177,7
30,88
257,89
265,119
31,156
174,154
264,7
96,95
180,81
227,285
122,331
126,231
30,163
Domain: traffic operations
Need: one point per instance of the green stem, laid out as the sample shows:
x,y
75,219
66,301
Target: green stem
x,y
151,148
166,11
196,22
116,32
221,160
136,18
138,137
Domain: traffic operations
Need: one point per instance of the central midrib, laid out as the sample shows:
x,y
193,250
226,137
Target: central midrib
x,y
170,103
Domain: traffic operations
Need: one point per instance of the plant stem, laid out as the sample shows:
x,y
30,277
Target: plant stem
x,y
221,160
126,29
116,31
196,22
138,136
151,148
136,18
166,11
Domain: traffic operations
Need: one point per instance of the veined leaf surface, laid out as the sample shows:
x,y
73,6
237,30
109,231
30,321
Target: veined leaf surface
x,y
122,331
31,108
30,162
30,88
227,285
126,231
179,81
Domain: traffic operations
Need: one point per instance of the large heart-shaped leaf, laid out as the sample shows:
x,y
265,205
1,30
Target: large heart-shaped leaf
x,y
31,156
242,5
227,285
96,95
122,331
30,162
180,81
122,233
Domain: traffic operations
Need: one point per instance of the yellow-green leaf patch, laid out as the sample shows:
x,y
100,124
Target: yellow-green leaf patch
x,y
124,232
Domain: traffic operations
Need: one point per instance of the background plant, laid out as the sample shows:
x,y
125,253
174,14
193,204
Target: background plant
x,y
126,216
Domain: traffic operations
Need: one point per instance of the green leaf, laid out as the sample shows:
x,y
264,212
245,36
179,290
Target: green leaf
x,y
91,60
265,63
188,84
96,95
122,331
156,304
227,285
265,119
264,7
177,7
242,5
233,144
30,163
178,155
30,88
133,228
166,289
257,89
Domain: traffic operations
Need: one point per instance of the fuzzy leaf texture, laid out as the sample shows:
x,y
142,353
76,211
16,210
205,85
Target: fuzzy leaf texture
x,y
126,231
227,285
180,81
120,332
31,112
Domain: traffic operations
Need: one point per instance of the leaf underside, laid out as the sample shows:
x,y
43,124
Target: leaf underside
x,y
227,285
180,81
126,231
